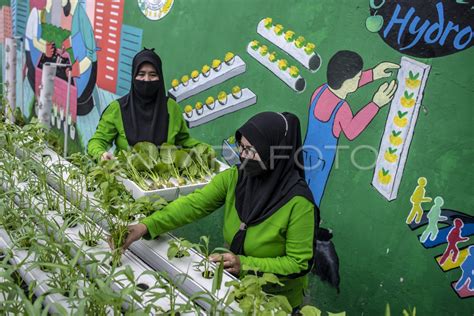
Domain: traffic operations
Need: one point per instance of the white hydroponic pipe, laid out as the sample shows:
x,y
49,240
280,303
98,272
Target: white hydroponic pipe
x,y
152,253
94,253
45,103
20,100
10,67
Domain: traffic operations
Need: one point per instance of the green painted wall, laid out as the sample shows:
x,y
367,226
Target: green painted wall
x,y
381,259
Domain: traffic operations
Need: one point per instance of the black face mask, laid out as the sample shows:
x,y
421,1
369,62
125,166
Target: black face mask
x,y
253,168
67,8
146,89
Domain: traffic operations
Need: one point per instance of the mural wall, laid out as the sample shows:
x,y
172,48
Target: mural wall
x,y
382,88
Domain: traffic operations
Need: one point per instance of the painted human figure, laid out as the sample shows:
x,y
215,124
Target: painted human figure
x,y
84,49
416,199
330,114
434,216
453,238
467,268
35,46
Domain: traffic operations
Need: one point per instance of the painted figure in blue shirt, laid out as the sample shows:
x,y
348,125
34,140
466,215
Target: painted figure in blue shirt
x,y
84,69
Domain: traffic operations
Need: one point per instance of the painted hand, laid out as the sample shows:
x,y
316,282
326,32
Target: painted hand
x,y
231,262
135,232
107,156
76,71
49,49
385,93
380,71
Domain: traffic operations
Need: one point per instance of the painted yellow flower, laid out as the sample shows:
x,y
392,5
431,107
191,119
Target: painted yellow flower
x,y
412,81
210,100
299,42
400,119
294,71
254,44
263,50
185,79
395,138
309,48
188,108
407,103
268,22
390,155
216,64
229,57
210,103
289,36
222,97
278,29
175,83
236,92
205,69
272,57
194,74
384,176
283,64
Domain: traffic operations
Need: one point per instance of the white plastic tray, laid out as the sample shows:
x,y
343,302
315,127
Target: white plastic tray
x,y
169,194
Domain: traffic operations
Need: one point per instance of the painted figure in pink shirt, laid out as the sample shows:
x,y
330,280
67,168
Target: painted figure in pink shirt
x,y
329,113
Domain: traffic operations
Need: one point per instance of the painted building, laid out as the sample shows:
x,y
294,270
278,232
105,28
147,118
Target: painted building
x,y
129,45
107,32
19,11
5,23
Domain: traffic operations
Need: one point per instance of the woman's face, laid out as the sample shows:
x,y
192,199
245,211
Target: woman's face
x,y
247,151
147,73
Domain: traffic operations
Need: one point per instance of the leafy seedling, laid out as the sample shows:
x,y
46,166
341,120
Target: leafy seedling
x,y
178,248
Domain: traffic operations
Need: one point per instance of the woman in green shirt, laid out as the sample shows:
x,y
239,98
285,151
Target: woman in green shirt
x,y
269,213
144,114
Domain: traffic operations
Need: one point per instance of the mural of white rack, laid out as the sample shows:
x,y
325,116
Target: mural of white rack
x,y
209,113
310,61
296,83
400,127
206,81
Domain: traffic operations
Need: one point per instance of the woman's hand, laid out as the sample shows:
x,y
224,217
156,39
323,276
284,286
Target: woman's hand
x,y
231,262
135,232
107,156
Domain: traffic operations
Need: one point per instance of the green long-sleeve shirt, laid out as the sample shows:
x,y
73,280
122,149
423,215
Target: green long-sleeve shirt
x,y
110,129
282,244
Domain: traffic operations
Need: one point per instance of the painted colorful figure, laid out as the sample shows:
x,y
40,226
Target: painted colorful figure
x,y
416,199
84,49
467,268
35,46
330,114
454,237
434,216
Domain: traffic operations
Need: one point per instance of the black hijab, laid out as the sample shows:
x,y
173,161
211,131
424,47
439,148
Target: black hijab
x,y
145,116
259,197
